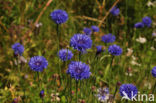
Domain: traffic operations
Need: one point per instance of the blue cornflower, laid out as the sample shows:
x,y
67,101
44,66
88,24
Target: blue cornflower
x,y
139,25
108,38
95,28
81,42
65,54
59,16
103,94
154,72
87,31
115,50
147,21
128,90
99,49
18,48
115,11
38,63
78,70
41,94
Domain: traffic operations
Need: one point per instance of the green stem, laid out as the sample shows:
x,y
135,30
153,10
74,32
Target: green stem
x,y
116,89
38,79
111,69
58,48
93,97
76,91
153,91
111,63
126,18
126,101
58,37
79,56
18,65
42,100
38,76
24,97
95,69
55,87
96,65
81,88
70,80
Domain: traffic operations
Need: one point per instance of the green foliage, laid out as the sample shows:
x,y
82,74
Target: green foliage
x,y
17,18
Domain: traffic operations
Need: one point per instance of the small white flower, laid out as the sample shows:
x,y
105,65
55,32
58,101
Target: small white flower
x,y
130,51
22,59
149,3
148,85
154,23
55,96
154,34
135,63
133,57
152,48
141,40
128,74
38,25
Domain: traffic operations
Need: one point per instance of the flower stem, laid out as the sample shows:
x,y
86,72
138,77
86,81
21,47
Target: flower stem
x,y
80,88
126,101
42,100
76,91
70,80
116,89
95,69
58,37
154,87
111,69
58,48
24,97
18,64
79,56
38,76
111,62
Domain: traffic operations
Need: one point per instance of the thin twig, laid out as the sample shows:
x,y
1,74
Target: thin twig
x,y
35,10
107,13
88,18
98,2
39,16
41,13
96,20
103,3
